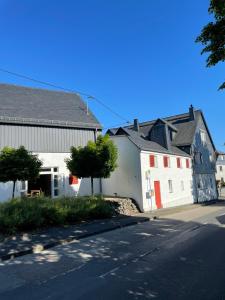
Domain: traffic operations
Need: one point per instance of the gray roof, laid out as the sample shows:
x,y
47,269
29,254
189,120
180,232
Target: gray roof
x,y
36,106
147,145
185,130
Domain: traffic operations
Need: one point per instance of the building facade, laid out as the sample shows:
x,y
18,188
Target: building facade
x,y
165,162
46,123
220,167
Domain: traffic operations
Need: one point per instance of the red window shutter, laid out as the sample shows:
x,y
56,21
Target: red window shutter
x,y
187,163
152,160
165,161
73,180
178,162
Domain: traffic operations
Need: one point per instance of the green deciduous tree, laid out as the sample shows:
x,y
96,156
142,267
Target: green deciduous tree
x,y
96,160
213,35
18,164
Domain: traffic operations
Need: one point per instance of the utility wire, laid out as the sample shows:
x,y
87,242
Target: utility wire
x,y
44,82
89,96
117,125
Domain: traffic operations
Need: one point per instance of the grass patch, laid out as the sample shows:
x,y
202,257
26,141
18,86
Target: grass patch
x,y
26,214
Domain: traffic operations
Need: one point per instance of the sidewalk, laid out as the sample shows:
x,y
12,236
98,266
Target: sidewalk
x,y
27,243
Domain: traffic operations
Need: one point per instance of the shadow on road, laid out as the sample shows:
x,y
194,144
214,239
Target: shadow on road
x,y
161,259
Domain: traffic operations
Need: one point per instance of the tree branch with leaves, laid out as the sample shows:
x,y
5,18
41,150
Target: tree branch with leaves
x,y
213,35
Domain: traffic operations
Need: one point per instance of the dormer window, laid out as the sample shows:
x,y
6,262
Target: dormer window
x,y
172,135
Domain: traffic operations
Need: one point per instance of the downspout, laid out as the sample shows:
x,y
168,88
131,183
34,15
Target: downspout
x,y
95,134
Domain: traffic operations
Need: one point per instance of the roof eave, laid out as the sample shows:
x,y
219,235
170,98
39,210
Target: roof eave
x,y
48,123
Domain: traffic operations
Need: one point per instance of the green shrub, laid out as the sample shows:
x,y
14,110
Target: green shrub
x,y
24,214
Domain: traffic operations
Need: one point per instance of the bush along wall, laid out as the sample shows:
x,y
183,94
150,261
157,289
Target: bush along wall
x,y
26,214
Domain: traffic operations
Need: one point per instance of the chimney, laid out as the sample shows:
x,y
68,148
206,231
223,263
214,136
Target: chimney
x,y
191,113
136,125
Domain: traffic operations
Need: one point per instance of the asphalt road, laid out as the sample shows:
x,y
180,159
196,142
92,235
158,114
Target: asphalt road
x,y
181,256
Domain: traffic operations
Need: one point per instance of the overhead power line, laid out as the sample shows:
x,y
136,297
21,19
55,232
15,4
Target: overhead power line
x,y
89,96
117,125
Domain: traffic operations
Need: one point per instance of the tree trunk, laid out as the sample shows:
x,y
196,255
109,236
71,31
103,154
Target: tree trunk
x,y
14,185
92,187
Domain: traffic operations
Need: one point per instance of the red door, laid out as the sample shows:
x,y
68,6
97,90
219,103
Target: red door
x,y
157,194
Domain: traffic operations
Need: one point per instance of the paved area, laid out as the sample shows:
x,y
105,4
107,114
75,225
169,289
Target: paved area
x,y
178,256
26,243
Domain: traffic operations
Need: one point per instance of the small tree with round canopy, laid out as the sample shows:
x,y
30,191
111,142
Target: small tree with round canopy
x,y
18,164
96,160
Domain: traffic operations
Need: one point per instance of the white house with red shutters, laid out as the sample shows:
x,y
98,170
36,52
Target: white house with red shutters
x,y
163,163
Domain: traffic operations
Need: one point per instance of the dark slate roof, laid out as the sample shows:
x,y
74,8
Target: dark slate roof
x,y
147,145
185,130
167,123
25,105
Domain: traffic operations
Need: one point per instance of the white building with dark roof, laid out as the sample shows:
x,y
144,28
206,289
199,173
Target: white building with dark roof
x,y
220,167
47,123
165,162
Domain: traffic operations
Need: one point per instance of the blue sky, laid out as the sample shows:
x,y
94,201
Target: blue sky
x,y
137,56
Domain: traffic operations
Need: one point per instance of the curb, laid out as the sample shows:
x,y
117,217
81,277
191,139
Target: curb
x,y
40,247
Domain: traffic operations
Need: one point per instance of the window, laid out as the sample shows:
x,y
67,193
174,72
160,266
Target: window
x,y
152,161
166,161
182,185
170,186
187,163
56,185
178,162
23,185
56,192
221,168
55,169
203,136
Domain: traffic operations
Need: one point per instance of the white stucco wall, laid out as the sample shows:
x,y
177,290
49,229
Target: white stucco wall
x,y
51,160
125,181
162,174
